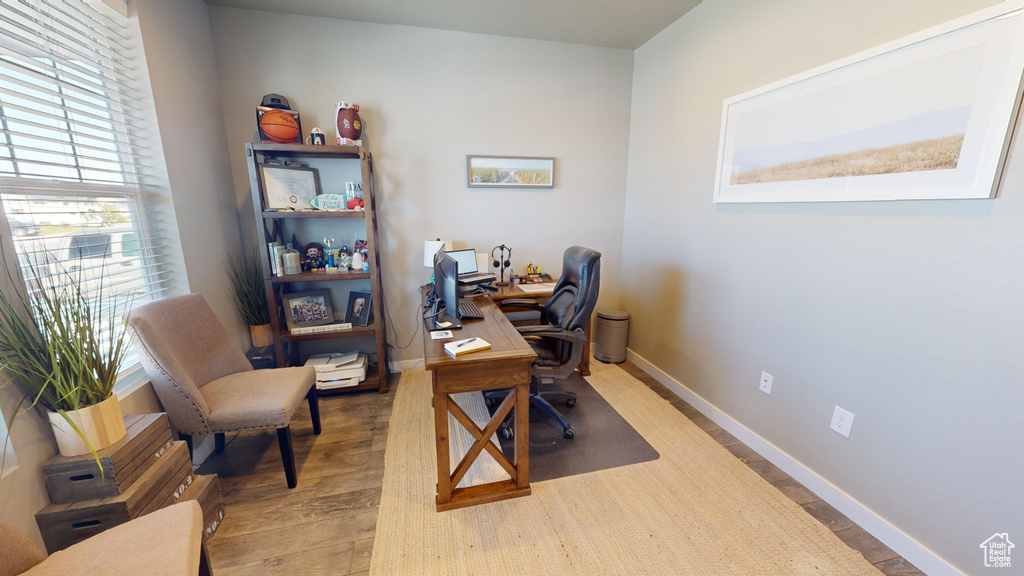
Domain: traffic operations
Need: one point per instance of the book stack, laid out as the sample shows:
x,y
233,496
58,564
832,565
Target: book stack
x,y
339,369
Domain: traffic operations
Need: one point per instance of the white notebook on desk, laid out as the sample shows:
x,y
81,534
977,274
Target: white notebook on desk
x,y
541,288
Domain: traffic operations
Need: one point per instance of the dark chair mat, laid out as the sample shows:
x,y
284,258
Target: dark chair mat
x,y
603,438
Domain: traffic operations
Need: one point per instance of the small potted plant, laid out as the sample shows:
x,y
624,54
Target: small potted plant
x,y
64,344
250,296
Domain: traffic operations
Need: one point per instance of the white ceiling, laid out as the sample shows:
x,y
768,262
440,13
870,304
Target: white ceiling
x,y
611,23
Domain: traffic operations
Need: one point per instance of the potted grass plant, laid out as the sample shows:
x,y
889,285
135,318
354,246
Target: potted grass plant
x,y
246,276
64,344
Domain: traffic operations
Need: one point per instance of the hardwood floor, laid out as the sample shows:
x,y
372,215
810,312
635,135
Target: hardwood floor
x,y
326,524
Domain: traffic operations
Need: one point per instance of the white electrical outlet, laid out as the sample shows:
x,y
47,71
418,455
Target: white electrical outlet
x,y
842,421
766,383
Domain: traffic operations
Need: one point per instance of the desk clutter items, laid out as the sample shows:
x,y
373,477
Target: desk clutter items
x,y
458,348
338,369
288,260
144,472
350,126
277,122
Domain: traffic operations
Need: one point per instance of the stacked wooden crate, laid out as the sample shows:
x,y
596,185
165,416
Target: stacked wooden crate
x,y
145,471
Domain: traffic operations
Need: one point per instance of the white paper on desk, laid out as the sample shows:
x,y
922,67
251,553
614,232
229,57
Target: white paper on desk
x,y
536,288
440,334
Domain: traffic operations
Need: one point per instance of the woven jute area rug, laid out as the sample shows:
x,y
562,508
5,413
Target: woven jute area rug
x,y
696,510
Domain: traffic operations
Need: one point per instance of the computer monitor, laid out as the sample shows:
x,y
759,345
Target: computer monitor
x,y
446,291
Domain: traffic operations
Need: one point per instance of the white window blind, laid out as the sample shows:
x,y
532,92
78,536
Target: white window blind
x,y
82,176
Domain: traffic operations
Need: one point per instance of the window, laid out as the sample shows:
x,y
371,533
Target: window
x,y
82,177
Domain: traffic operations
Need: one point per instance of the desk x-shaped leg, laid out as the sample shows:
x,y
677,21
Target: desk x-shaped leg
x,y
448,495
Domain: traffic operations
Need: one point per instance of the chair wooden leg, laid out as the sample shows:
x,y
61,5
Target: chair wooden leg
x,y
218,443
284,438
314,408
187,438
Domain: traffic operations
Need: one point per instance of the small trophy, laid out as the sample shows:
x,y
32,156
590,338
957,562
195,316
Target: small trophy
x,y
329,254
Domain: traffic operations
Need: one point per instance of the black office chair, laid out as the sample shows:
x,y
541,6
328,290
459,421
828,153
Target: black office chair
x,y
559,340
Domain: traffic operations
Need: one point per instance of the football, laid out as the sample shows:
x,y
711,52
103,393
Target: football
x,y
349,124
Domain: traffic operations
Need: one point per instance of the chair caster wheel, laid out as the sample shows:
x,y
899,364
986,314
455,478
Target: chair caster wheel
x,y
489,402
506,433
569,433
570,402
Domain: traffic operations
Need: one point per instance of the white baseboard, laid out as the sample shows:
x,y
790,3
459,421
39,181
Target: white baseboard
x,y
403,365
926,560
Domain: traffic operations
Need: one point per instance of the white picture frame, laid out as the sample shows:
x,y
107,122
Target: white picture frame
x,y
873,126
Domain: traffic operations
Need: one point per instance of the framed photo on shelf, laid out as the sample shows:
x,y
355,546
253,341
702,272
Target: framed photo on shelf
x,y
359,313
510,172
311,308
287,187
927,116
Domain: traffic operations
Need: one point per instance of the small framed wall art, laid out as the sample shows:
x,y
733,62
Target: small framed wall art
x,y
510,172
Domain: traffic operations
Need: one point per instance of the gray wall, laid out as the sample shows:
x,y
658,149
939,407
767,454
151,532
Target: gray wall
x,y
908,314
428,98
184,78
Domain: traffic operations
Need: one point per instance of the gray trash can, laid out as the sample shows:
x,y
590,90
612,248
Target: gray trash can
x,y
611,334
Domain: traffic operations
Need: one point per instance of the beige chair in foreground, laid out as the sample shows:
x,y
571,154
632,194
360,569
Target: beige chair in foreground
x,y
168,542
205,382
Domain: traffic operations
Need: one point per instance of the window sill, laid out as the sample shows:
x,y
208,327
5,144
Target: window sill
x,y
130,381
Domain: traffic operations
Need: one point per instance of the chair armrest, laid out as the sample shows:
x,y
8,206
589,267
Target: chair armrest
x,y
165,542
554,332
521,303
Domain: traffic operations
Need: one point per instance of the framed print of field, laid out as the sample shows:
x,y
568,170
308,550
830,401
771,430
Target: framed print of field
x,y
510,172
928,116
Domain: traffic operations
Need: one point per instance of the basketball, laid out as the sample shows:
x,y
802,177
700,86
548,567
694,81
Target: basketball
x,y
349,125
279,126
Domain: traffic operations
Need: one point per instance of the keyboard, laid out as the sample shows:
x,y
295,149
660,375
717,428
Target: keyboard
x,y
468,309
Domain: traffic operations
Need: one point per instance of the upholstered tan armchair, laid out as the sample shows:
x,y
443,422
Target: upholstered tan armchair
x,y
168,542
206,383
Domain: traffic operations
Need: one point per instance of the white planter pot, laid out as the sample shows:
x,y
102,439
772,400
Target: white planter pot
x,y
102,424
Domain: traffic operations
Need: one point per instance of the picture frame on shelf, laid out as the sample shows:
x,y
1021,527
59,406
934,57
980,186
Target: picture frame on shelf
x,y
311,308
289,187
926,116
510,172
359,312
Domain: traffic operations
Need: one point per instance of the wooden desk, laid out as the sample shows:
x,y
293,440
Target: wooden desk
x,y
505,365
513,291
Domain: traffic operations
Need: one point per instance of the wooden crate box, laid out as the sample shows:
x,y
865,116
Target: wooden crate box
x,y
76,478
206,489
62,525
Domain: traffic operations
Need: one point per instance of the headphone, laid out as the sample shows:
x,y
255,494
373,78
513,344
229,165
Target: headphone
x,y
503,261
500,262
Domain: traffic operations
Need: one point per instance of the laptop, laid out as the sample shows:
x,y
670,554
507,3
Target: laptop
x,y
468,272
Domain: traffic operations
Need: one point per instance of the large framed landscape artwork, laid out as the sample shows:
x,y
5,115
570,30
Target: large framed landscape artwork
x,y
928,116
